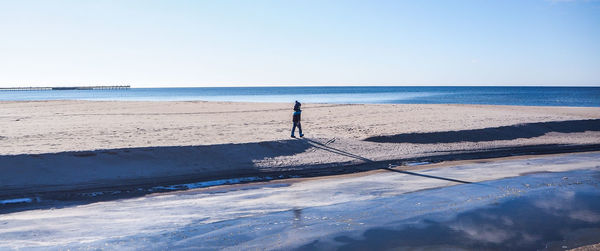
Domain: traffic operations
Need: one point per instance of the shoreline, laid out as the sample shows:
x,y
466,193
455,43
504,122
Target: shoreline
x,y
288,103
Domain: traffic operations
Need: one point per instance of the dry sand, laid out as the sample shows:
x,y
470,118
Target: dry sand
x,y
57,126
62,145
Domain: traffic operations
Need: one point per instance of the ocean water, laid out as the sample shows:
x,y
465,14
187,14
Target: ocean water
x,y
528,96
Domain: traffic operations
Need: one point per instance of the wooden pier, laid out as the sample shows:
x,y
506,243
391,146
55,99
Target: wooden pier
x,y
63,88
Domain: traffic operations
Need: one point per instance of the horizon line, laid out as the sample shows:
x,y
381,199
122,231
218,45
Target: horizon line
x,y
135,86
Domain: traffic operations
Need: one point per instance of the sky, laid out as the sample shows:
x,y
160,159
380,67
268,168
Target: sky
x,y
180,43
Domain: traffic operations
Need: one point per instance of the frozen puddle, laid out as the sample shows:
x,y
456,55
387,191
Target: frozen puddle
x,y
188,186
210,183
417,163
492,207
16,201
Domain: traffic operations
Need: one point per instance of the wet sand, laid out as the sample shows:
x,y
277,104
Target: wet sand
x,y
57,146
523,204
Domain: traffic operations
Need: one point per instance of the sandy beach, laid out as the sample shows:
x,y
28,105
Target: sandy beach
x,y
64,145
58,126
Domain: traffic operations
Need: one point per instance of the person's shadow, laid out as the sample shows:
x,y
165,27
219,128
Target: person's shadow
x,y
324,147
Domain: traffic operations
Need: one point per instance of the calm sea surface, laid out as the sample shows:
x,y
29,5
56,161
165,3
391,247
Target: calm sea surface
x,y
532,96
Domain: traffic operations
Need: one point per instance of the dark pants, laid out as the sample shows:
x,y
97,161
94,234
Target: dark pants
x,y
299,128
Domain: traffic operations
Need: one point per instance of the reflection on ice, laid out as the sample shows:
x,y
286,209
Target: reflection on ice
x,y
547,218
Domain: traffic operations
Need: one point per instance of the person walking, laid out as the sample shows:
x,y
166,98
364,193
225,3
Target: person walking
x,y
296,119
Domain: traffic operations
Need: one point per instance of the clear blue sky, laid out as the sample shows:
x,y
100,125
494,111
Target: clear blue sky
x,y
253,43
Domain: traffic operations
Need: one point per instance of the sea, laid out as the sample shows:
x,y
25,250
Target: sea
x,y
525,96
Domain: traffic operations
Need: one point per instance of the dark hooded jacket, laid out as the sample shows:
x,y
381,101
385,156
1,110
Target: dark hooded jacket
x,y
297,112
